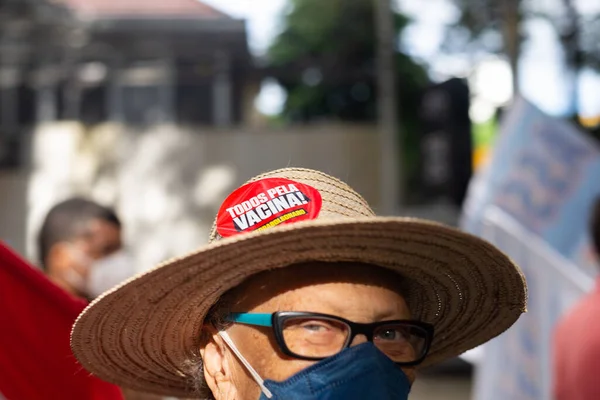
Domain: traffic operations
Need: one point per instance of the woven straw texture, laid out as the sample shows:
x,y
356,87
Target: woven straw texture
x,y
143,334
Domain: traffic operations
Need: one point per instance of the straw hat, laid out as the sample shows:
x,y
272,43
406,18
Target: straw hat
x,y
141,334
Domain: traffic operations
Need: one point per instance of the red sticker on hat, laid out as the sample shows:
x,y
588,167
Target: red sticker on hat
x,y
267,203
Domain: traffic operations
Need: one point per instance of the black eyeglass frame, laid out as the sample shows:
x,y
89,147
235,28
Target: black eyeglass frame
x,y
279,318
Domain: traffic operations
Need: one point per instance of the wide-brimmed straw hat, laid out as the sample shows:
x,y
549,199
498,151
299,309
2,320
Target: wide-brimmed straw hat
x,y
143,333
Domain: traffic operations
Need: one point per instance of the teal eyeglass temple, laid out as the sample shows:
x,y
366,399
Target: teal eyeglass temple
x,y
256,319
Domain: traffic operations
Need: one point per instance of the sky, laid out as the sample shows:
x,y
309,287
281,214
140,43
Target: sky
x,y
541,74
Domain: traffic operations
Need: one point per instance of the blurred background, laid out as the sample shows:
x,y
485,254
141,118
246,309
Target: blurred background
x,y
161,108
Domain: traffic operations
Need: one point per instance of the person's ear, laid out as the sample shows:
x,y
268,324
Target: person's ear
x,y
218,371
65,269
58,259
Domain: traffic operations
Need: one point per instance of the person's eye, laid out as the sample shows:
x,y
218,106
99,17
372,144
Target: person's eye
x,y
315,326
391,334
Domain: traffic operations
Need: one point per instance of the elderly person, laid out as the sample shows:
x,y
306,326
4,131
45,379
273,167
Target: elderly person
x,y
302,293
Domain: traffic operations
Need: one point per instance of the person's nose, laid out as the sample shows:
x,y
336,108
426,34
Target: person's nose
x,y
358,339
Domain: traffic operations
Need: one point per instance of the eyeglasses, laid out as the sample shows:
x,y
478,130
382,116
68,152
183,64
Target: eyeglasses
x,y
314,336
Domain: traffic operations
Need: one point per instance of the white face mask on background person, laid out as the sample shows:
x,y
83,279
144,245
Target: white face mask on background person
x,y
101,274
106,273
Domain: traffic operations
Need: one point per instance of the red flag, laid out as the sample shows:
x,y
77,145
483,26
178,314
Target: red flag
x,y
35,323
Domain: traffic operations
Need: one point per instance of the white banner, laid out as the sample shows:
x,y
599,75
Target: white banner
x,y
517,364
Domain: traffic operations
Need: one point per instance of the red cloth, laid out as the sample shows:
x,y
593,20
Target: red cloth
x,y
35,323
576,347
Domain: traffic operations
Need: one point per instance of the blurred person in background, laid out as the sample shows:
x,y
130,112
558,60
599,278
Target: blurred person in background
x,y
80,248
577,340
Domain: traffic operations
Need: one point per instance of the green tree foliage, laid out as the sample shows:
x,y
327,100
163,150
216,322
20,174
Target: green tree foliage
x,y
325,59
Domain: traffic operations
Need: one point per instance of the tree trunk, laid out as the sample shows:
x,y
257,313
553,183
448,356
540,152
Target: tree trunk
x,y
391,183
569,38
512,38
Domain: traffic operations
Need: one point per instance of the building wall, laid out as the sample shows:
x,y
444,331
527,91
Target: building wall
x,y
13,208
167,183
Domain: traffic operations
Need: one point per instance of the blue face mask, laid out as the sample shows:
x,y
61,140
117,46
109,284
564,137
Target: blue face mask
x,y
359,372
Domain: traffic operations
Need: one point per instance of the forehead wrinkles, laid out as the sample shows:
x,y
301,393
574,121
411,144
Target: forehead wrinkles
x,y
278,290
287,301
258,294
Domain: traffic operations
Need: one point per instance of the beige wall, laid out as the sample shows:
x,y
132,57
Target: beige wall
x,y
13,208
167,183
